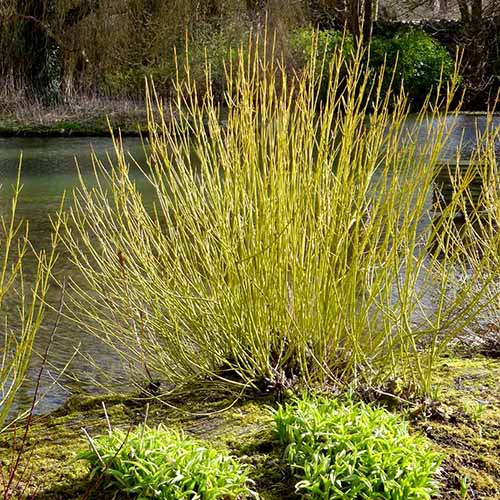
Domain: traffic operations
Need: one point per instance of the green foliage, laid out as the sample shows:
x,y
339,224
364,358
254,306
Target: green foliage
x,y
418,61
325,42
129,80
345,450
412,57
163,464
325,46
211,48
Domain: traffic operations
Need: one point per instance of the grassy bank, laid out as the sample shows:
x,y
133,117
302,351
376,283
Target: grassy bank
x,y
463,424
86,118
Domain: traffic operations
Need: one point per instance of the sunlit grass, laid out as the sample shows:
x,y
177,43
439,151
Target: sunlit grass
x,y
290,241
162,463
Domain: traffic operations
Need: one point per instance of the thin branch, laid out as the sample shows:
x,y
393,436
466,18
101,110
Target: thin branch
x,y
29,421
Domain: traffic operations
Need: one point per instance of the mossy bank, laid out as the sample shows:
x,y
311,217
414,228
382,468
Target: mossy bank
x,y
465,427
74,123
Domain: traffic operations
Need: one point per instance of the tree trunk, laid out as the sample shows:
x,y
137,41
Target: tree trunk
x,y
36,43
38,49
355,18
476,11
442,7
464,11
335,11
368,20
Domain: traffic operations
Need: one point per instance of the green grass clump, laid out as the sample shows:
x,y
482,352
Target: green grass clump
x,y
346,450
161,463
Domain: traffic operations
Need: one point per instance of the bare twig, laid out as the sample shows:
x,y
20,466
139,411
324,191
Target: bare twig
x,y
8,490
96,484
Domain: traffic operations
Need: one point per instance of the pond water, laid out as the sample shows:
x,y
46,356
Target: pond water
x,y
49,170
465,130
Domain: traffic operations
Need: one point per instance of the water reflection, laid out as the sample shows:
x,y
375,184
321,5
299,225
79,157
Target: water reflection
x,y
465,133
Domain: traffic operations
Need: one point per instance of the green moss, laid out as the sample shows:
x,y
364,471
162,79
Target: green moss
x,y
469,439
55,440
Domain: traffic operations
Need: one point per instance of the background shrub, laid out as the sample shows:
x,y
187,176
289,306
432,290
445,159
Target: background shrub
x,y
327,41
324,45
343,450
414,57
417,60
163,464
213,47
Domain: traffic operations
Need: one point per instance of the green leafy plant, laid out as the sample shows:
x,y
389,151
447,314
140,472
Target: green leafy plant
x,y
163,464
419,62
346,450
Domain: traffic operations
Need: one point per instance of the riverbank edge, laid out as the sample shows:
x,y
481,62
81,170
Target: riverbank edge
x,y
65,133
464,427
71,129
105,125
89,120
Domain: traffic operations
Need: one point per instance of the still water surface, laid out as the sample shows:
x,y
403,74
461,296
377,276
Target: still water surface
x,y
49,170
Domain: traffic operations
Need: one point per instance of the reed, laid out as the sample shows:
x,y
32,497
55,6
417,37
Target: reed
x,y
290,240
20,324
476,195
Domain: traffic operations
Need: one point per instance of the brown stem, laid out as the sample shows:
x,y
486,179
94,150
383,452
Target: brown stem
x,y
29,421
